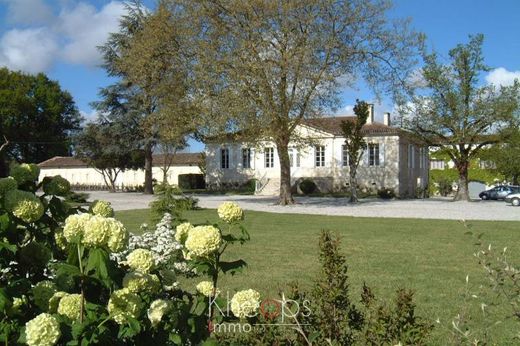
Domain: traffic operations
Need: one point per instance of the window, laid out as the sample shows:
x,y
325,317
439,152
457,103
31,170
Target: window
x,y
411,156
437,164
373,154
224,158
246,158
269,157
320,155
294,157
345,161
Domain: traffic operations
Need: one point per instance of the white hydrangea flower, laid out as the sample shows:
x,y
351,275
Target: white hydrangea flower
x,y
141,260
74,227
43,330
245,303
206,288
203,241
157,310
230,212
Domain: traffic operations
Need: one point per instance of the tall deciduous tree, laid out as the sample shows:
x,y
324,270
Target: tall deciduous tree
x,y
265,66
108,150
37,118
144,55
455,112
355,143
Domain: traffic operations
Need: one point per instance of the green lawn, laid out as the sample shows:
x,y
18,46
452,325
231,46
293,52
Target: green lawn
x,y
432,257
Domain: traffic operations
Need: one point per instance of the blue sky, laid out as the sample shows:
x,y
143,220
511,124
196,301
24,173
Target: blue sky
x,y
59,37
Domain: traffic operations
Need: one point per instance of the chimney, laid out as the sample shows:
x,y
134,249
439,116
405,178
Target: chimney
x,y
386,119
370,119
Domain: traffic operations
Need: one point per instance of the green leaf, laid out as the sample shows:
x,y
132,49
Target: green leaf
x,y
4,222
175,338
7,246
99,266
5,302
233,267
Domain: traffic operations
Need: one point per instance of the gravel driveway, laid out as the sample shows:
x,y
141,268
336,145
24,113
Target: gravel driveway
x,y
434,208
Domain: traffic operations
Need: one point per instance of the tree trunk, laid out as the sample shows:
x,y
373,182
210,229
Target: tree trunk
x,y
148,158
285,197
463,191
353,184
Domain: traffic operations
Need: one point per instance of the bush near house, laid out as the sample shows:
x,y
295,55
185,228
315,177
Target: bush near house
x,y
191,181
442,180
308,186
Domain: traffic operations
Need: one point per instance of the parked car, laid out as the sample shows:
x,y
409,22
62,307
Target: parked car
x,y
499,192
513,198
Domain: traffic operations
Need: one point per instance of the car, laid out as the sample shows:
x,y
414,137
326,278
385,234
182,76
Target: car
x,y
513,198
499,192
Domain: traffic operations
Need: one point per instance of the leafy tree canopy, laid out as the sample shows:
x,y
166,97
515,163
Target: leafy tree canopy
x,y
36,116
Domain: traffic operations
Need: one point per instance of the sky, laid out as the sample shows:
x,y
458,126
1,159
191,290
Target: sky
x,y
59,38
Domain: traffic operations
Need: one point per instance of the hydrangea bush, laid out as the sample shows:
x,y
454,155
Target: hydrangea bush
x,y
74,276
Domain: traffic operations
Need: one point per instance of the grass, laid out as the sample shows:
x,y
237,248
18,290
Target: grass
x,y
432,257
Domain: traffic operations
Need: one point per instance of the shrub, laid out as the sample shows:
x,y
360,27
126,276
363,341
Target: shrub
x,y
249,186
385,193
73,292
170,199
308,186
445,187
77,197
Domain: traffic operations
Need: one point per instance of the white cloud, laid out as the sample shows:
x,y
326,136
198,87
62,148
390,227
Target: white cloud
x,y
30,12
501,76
73,36
86,28
345,110
29,50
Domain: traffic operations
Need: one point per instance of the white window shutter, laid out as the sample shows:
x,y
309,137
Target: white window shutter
x,y
253,158
381,154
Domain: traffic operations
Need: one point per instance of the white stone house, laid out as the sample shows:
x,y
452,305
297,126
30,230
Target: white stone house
x,y
393,159
78,173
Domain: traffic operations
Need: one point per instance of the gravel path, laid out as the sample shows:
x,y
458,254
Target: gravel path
x,y
434,208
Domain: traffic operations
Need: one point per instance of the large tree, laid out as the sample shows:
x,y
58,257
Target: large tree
x,y
152,82
455,112
37,117
107,148
355,143
262,67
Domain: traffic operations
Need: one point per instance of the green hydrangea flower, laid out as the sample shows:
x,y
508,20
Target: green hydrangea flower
x,y
102,208
140,282
181,232
55,300
26,172
42,293
24,205
118,238
7,184
43,330
124,304
70,306
57,186
35,254
97,231
60,240
141,260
